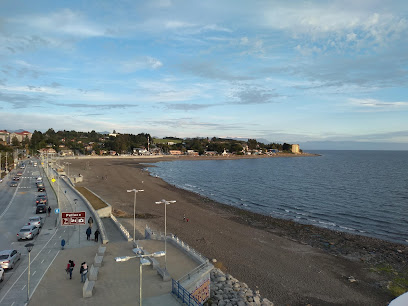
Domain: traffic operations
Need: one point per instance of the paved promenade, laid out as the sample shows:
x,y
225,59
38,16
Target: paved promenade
x,y
117,284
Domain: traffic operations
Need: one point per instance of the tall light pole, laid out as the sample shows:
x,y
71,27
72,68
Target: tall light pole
x,y
67,163
143,262
163,201
29,247
134,212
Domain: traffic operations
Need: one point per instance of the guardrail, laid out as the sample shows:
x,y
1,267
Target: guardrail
x,y
183,294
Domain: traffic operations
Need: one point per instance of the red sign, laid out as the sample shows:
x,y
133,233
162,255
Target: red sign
x,y
73,218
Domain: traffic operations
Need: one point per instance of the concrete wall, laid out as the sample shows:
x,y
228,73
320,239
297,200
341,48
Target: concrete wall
x,y
105,212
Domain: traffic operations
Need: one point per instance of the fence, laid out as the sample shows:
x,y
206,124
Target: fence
x,y
183,294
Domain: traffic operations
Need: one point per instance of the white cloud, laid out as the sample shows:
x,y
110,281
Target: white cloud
x,y
378,104
140,63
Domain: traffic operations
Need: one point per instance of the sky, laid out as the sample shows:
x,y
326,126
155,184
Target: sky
x,y
307,72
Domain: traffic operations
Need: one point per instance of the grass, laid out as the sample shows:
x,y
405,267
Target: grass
x,y
96,202
398,285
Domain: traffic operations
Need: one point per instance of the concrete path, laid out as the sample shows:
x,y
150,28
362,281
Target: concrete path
x,y
114,234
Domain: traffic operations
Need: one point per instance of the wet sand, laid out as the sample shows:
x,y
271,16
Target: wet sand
x,y
289,263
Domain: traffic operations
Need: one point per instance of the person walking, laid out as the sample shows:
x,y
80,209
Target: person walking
x,y
49,211
83,271
70,268
90,221
88,233
97,235
62,244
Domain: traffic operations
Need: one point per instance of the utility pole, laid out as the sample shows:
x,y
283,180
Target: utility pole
x,y
6,164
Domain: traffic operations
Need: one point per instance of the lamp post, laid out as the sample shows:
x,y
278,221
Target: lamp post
x,y
143,262
29,247
134,211
163,201
67,163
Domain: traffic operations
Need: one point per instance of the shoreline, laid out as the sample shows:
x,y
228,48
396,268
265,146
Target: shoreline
x,y
235,236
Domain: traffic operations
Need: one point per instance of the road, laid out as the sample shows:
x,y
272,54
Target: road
x,y
17,205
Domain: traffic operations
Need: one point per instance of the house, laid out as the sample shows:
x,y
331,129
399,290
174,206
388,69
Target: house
x,y
210,153
66,152
192,153
175,152
20,136
225,153
4,136
47,151
140,151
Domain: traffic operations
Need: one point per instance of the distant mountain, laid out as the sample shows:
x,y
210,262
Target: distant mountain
x,y
263,140
105,132
352,145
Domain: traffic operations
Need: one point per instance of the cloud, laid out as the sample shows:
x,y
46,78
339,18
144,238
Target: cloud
x,y
65,21
19,101
146,62
96,106
212,71
249,94
377,104
186,106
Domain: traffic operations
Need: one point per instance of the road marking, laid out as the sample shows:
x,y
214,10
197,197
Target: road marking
x,y
34,272
49,251
45,272
55,243
27,268
42,261
12,304
23,287
8,206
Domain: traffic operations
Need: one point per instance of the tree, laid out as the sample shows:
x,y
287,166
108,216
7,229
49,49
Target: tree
x,y
252,144
15,142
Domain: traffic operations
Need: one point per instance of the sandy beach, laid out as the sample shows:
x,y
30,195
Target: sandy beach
x,y
289,263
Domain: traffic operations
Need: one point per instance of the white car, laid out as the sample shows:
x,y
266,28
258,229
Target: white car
x,y
8,258
1,274
37,221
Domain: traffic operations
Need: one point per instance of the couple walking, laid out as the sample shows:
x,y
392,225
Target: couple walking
x,y
83,270
89,232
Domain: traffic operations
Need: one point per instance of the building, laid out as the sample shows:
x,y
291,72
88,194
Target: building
x,y
66,152
20,136
295,148
175,152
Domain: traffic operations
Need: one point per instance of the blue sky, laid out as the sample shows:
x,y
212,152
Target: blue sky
x,y
284,71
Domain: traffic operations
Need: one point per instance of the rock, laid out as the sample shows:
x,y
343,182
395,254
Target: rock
x,y
213,260
257,300
241,303
220,279
352,279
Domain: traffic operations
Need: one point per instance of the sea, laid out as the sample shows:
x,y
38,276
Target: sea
x,y
361,192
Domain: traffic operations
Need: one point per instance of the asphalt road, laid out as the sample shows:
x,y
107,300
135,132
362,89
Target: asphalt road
x,y
17,205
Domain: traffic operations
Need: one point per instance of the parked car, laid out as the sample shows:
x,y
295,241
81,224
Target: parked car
x,y
13,184
41,209
16,178
41,199
20,173
8,258
1,274
36,220
28,232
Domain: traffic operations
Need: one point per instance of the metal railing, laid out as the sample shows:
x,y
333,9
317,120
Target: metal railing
x,y
183,294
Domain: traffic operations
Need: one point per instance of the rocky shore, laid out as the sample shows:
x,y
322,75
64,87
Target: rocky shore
x,y
287,262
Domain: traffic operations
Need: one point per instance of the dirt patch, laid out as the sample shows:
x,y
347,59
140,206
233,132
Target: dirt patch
x,y
96,202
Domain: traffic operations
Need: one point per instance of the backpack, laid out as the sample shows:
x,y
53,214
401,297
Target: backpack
x,y
73,264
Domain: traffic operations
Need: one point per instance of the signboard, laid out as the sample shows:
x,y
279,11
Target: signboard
x,y
53,180
57,210
73,218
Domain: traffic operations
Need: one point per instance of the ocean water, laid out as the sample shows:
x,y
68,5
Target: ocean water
x,y
361,192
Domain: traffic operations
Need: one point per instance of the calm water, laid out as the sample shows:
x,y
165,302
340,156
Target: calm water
x,y
362,192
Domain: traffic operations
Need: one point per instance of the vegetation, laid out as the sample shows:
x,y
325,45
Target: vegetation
x,y
116,143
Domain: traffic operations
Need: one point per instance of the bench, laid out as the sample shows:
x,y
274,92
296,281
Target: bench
x,y
88,288
153,261
164,273
93,273
98,261
101,250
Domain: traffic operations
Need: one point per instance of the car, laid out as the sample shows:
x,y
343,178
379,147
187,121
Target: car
x,y
37,221
1,274
28,232
41,209
40,187
39,179
8,258
16,178
41,199
20,173
13,184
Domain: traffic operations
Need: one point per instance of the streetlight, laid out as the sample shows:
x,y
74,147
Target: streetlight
x,y
165,231
29,247
134,212
143,262
67,163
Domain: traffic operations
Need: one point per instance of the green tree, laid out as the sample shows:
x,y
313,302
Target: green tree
x,y
15,142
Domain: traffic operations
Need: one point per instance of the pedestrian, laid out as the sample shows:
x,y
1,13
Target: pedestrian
x,y
83,271
97,234
70,268
62,244
49,211
187,219
184,217
90,221
88,233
